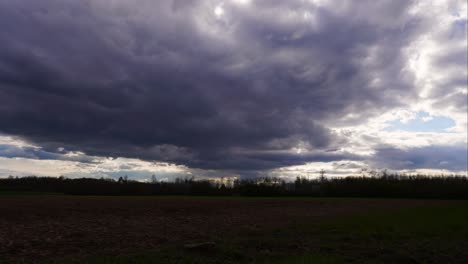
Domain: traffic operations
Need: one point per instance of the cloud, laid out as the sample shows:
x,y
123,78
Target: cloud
x,y
178,82
13,151
452,158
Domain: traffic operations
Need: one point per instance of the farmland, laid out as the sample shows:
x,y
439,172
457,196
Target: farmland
x,y
91,229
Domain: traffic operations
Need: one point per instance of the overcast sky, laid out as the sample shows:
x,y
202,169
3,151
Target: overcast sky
x,y
232,87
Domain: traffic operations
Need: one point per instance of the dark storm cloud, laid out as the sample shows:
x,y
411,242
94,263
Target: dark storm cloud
x,y
265,161
171,81
431,157
12,151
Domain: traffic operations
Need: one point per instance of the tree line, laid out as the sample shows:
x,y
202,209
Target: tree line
x,y
385,185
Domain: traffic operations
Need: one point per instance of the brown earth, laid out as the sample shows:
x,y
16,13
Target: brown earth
x,y
34,228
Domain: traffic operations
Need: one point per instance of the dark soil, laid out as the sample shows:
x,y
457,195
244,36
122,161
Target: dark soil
x,y
34,228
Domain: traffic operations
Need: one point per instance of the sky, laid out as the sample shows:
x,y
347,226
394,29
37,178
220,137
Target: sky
x,y
232,88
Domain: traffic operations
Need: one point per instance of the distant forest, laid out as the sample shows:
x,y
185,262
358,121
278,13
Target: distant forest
x,y
385,186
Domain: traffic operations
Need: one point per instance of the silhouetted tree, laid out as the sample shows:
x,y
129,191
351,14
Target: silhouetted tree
x,y
388,185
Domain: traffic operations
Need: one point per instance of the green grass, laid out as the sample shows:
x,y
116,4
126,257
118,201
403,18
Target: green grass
x,y
424,235
436,234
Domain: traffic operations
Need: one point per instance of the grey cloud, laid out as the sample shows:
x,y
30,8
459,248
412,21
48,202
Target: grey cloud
x,y
453,158
12,151
168,81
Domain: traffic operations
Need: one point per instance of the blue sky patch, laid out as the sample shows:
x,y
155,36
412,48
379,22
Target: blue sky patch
x,y
423,123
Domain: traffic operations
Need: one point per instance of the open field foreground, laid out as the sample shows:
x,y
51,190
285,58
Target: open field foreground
x,y
86,229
